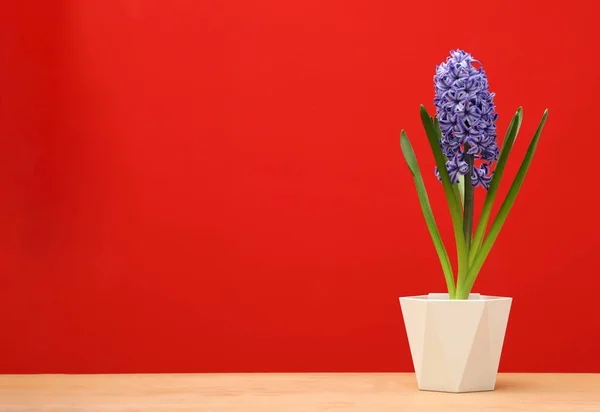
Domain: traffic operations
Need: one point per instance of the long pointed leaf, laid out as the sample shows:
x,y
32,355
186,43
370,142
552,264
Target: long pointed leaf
x,y
504,210
413,165
433,133
511,135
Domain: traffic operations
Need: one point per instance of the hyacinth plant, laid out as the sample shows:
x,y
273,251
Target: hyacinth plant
x,y
462,136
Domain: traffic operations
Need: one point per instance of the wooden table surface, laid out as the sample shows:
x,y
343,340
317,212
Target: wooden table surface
x,y
370,392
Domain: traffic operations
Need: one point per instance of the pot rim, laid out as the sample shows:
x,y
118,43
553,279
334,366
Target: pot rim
x,y
443,297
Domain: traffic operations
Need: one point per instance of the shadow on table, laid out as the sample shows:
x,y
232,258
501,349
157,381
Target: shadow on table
x,y
514,385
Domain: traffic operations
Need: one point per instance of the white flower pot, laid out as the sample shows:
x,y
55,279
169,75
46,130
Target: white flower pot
x,y
455,344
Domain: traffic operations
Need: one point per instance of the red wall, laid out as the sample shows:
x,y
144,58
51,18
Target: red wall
x,y
218,186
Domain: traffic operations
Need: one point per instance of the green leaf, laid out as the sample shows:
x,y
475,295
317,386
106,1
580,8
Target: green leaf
x,y
434,134
509,139
413,165
504,210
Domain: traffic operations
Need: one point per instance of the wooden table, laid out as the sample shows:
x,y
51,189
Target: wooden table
x,y
370,392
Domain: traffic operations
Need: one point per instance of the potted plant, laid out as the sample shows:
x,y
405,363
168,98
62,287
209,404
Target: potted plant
x,y
456,338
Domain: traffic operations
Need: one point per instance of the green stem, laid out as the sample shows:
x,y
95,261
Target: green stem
x,y
462,290
469,202
467,226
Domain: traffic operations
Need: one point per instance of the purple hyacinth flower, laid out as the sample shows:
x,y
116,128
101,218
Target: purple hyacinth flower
x,y
466,114
481,176
455,166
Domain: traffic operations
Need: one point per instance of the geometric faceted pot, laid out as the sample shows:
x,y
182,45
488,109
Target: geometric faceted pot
x,y
455,344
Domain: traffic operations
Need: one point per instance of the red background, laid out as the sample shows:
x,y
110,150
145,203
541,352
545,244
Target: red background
x,y
218,185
